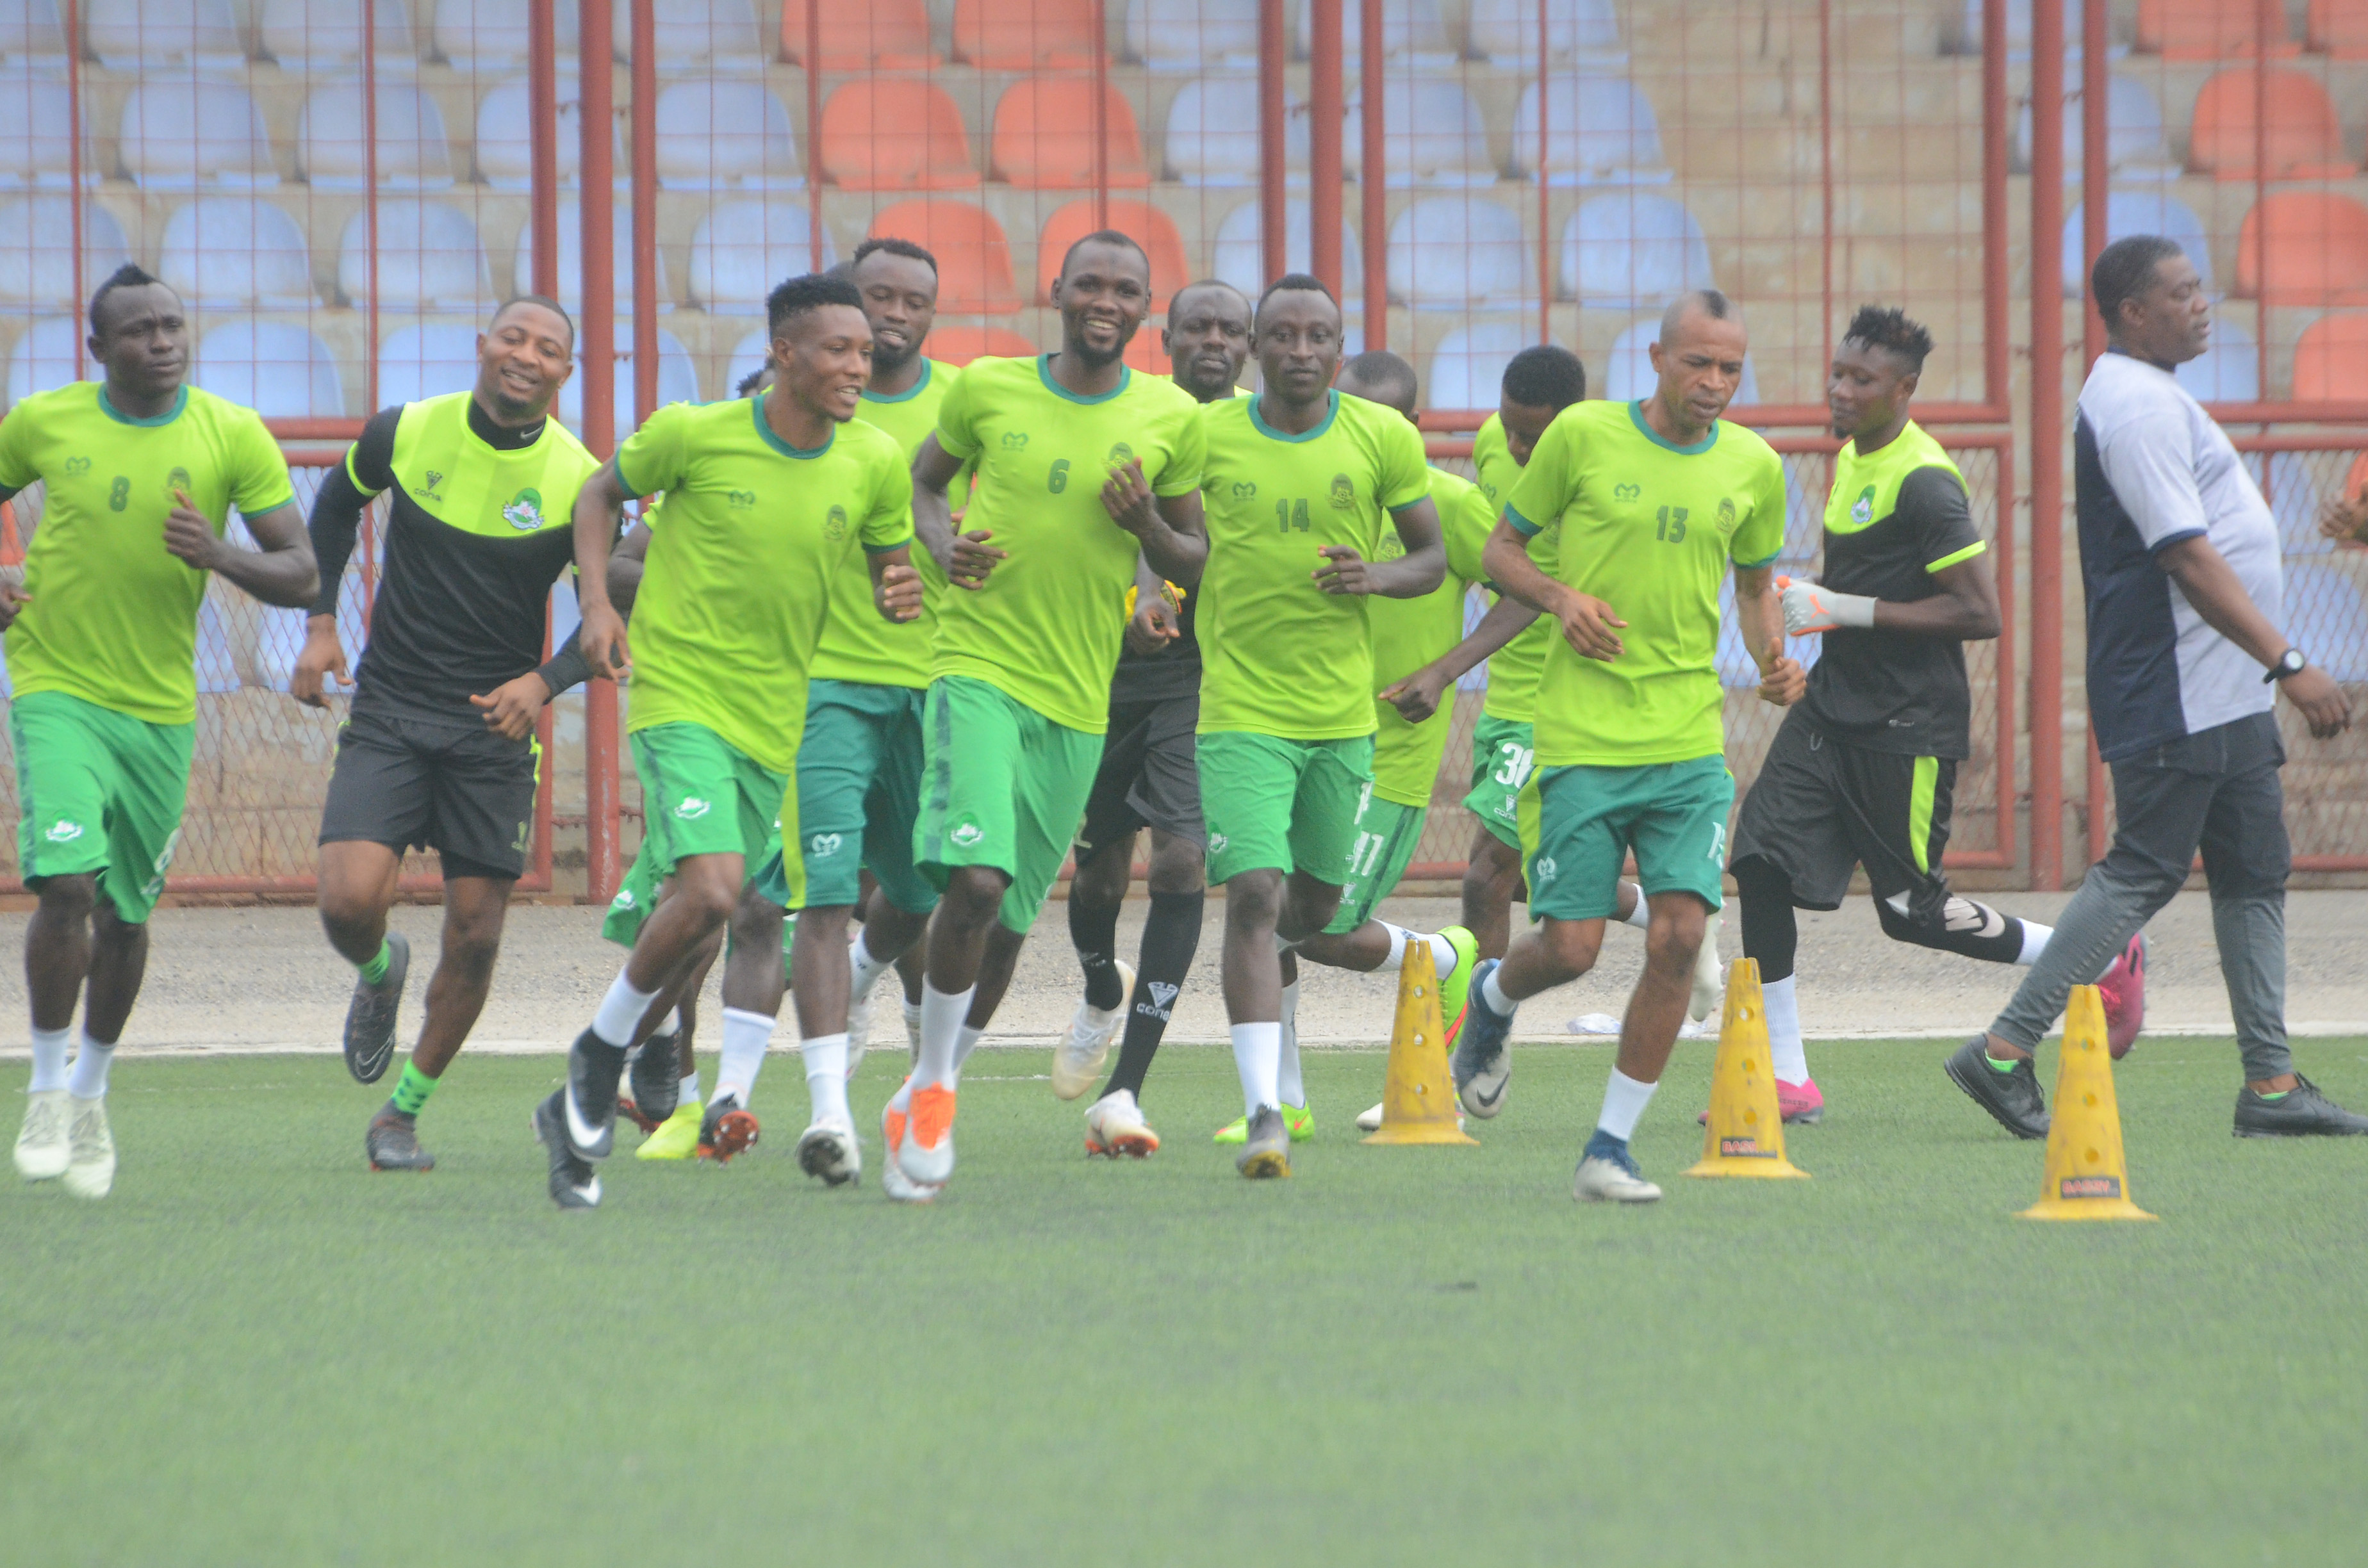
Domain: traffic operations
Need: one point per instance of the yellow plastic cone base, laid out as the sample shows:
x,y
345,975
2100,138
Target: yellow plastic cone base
x,y
2087,1177
1745,1133
1419,1101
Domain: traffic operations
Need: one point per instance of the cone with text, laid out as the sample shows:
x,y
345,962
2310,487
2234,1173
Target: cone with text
x,y
2087,1177
1419,1101
1745,1136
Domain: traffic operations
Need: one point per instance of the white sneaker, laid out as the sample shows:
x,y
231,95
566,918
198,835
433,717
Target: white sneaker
x,y
913,1034
1115,1126
1078,1061
41,1141
828,1150
1600,1179
1709,979
90,1161
1369,1121
926,1149
893,1179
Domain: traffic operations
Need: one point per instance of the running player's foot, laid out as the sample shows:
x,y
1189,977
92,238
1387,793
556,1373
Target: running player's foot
x,y
2013,1097
369,1017
927,1152
90,1148
1800,1104
2122,990
1299,1118
1114,1126
828,1150
41,1142
1370,1118
726,1130
1265,1150
654,1083
1709,979
1456,991
589,1096
574,1183
393,1143
912,1034
1078,1061
1482,1065
893,1115
2300,1112
676,1138
1607,1173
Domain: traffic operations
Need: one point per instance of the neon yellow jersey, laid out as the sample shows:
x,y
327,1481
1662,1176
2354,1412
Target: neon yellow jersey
x,y
749,562
1649,528
1513,669
1280,656
858,644
1410,633
1046,628
114,617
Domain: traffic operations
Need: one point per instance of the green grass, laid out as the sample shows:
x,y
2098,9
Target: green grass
x,y
256,1352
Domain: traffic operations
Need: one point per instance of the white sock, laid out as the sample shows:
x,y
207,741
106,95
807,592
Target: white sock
x,y
1624,1100
966,1041
89,1077
941,1024
1641,916
1257,1056
50,1048
1785,1052
746,1035
826,1076
1493,994
1288,1083
2034,942
867,969
1399,935
621,1011
690,1093
671,1023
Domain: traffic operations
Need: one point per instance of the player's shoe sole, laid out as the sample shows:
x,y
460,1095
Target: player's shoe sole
x,y
828,1151
574,1184
393,1143
370,1015
42,1144
1077,1059
726,1130
1265,1150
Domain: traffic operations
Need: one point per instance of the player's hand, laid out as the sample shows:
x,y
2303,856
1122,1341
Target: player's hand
x,y
968,564
1811,608
1590,626
510,712
602,638
899,593
1417,696
1153,626
2346,519
1782,681
1345,571
13,599
1127,497
324,654
188,536
2324,706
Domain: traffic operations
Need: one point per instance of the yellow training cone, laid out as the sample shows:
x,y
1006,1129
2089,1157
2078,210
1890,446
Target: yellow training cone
x,y
1418,1102
2086,1179
1745,1133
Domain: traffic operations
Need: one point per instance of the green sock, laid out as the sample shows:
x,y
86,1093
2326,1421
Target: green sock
x,y
2277,1095
375,970
411,1090
1997,1066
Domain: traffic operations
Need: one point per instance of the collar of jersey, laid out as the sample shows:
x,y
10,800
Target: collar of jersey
x,y
1331,411
1637,413
757,412
180,402
1045,373
916,390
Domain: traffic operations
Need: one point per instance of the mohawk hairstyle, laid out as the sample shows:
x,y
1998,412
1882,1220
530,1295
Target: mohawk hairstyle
x,y
128,276
1887,327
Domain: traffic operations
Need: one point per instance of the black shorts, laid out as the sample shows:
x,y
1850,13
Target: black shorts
x,y
452,786
1148,777
1821,807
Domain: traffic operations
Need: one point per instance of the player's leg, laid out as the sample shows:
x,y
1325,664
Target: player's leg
x,y
1171,938
662,1076
474,907
381,799
1096,891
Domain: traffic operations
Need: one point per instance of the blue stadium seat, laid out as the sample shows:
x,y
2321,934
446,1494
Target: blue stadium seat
x,y
1212,133
492,34
2326,614
429,257
719,135
1461,250
36,271
506,144
414,151
1234,254
1433,135
2131,212
1628,370
1467,368
129,34
426,360
571,258
178,134
2134,144
228,252
1411,30
741,249
1633,250
678,382
35,149
693,35
49,353
310,37
1193,35
1600,130
1582,33
32,32
276,367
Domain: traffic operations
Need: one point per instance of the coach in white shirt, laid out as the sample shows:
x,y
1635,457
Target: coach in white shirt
x,y
2179,559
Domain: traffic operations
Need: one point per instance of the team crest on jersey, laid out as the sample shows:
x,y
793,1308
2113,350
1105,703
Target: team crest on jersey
x,y
178,480
834,527
77,467
525,511
1120,455
1244,490
1015,440
1862,509
1391,548
1344,493
1726,516
1626,492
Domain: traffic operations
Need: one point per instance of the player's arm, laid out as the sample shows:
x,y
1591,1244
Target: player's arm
x,y
337,507
626,563
1760,616
1158,620
2211,585
966,559
600,515
1417,698
282,572
1422,568
13,597
1589,624
895,584
1964,605
1170,529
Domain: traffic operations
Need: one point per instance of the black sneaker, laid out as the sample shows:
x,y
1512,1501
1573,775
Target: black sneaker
x,y
654,1083
574,1183
393,1143
369,1017
2300,1112
589,1101
2012,1098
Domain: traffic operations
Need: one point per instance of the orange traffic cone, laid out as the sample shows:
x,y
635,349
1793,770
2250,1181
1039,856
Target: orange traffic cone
x,y
2086,1179
1419,1101
1745,1133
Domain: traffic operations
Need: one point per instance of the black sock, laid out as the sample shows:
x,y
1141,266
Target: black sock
x,y
1771,936
1954,924
1094,930
1170,936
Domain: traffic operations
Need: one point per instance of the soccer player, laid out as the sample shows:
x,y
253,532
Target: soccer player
x,y
1652,501
1302,484
439,749
1863,768
763,497
1082,466
1147,779
139,473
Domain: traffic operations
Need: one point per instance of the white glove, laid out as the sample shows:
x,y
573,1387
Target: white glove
x,y
1810,607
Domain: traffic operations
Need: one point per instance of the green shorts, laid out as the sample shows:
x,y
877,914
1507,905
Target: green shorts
x,y
701,795
1578,824
98,791
1502,760
1386,835
637,897
1273,804
860,792
1004,786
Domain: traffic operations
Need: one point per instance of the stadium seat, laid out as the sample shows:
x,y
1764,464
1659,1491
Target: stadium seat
x,y
1633,251
719,135
2330,359
2339,27
2303,139
179,134
492,34
2212,29
2304,247
893,133
1213,132
413,153
129,34
426,360
1968,28
571,258
1152,228
504,139
678,382
37,270
749,355
34,148
1628,369
884,35
1467,368
974,276
232,253
49,353
1235,255
309,36
2131,212
276,368
741,249
1457,250
1600,130
1433,135
1044,136
1411,30
2326,614
429,257
1025,35
2227,371
1577,31
694,35
32,30
2134,146
1193,35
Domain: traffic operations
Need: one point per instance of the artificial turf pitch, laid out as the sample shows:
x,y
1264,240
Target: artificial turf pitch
x,y
257,1352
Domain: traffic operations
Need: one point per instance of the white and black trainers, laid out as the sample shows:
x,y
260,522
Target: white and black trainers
x,y
574,1183
1607,1173
370,1015
590,1100
827,1150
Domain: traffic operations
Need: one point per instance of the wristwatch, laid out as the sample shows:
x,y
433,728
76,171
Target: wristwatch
x,y
2292,662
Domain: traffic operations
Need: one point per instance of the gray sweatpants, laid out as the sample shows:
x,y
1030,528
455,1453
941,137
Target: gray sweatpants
x,y
2216,792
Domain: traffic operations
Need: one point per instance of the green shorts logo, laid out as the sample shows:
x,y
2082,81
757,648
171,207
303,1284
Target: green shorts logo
x,y
1543,869
824,845
834,527
968,835
692,808
624,899
1216,844
525,511
65,832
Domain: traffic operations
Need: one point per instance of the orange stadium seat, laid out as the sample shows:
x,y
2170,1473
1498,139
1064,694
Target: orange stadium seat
x,y
1022,35
887,133
974,258
2339,27
1044,136
1152,228
2304,247
882,34
961,344
2212,29
2332,360
2304,140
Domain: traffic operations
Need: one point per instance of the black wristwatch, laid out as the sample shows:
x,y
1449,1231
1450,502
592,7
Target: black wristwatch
x,y
2292,663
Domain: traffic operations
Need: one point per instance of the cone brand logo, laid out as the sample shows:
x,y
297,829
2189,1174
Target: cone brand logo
x,y
1862,509
1344,493
525,511
2090,1187
968,835
1543,869
434,479
1161,994
823,843
65,832
1743,1149
691,809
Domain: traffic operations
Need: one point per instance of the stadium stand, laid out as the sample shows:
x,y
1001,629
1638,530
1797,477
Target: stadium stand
x,y
1457,251
740,248
2135,147
1578,32
2330,359
893,133
2227,371
1025,35
178,134
1044,136
571,258
276,367
36,147
694,35
882,35
2339,29
1234,253
961,344
430,258
414,151
974,276
48,353
1965,37
1633,250
37,270
315,37
1212,133
2304,247
678,382
1467,364
1153,228
32,32
1193,35
725,135
505,144
2131,212
482,35
2301,139
129,34
229,253
2212,29
426,360
1433,135
1412,30
1600,130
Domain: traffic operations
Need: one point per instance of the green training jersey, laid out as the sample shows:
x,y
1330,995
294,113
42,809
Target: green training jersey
x,y
750,563
861,645
1649,528
1410,633
114,617
1046,627
1280,656
1513,668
